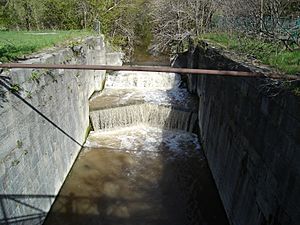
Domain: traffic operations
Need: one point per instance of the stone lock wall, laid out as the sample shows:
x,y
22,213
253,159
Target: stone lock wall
x,y
251,138
44,120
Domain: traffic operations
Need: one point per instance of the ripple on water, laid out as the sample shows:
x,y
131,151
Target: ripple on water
x,y
125,176
140,175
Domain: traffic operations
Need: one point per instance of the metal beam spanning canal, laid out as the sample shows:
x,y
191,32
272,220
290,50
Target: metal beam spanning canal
x,y
146,69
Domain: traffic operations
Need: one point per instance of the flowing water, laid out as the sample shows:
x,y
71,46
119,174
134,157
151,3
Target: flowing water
x,y
142,164
155,99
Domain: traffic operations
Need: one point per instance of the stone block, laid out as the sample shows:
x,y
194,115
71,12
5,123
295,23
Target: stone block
x,y
255,162
40,164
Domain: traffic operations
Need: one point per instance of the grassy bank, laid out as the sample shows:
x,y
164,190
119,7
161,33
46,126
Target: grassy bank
x,y
272,54
15,44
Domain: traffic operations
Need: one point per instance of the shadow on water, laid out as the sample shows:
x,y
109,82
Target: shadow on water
x,y
9,202
200,205
191,173
125,186
77,209
115,187
204,205
199,192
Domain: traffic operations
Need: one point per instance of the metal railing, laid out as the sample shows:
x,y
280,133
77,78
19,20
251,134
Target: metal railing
x,y
148,69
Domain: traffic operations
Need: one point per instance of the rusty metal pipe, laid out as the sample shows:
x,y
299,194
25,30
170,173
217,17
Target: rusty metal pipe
x,y
142,68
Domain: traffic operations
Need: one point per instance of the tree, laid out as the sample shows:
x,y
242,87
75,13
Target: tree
x,y
177,20
61,15
118,17
268,19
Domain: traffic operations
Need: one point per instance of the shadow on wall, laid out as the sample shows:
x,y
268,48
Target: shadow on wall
x,y
188,189
163,180
202,202
254,153
3,97
23,202
14,204
15,90
70,206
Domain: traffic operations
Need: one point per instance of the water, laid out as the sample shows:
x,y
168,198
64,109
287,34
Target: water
x,y
143,165
142,56
137,175
133,98
142,80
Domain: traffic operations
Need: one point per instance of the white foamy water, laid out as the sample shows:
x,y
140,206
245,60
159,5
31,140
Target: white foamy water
x,y
154,80
177,97
142,165
144,139
144,112
148,114
154,99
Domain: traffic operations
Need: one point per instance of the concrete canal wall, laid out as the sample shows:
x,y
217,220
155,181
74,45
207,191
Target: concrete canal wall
x,y
251,136
44,120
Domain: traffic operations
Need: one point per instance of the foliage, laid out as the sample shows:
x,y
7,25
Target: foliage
x,y
38,14
164,23
274,20
15,88
176,20
118,17
15,44
19,144
269,53
296,91
253,27
58,14
127,26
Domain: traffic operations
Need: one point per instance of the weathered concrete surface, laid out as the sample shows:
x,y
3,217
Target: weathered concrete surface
x,y
35,155
251,140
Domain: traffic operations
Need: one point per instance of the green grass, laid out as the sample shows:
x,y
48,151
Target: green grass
x,y
272,54
15,44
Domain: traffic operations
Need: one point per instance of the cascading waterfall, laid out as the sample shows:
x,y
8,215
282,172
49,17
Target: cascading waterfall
x,y
154,80
142,164
153,99
153,115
